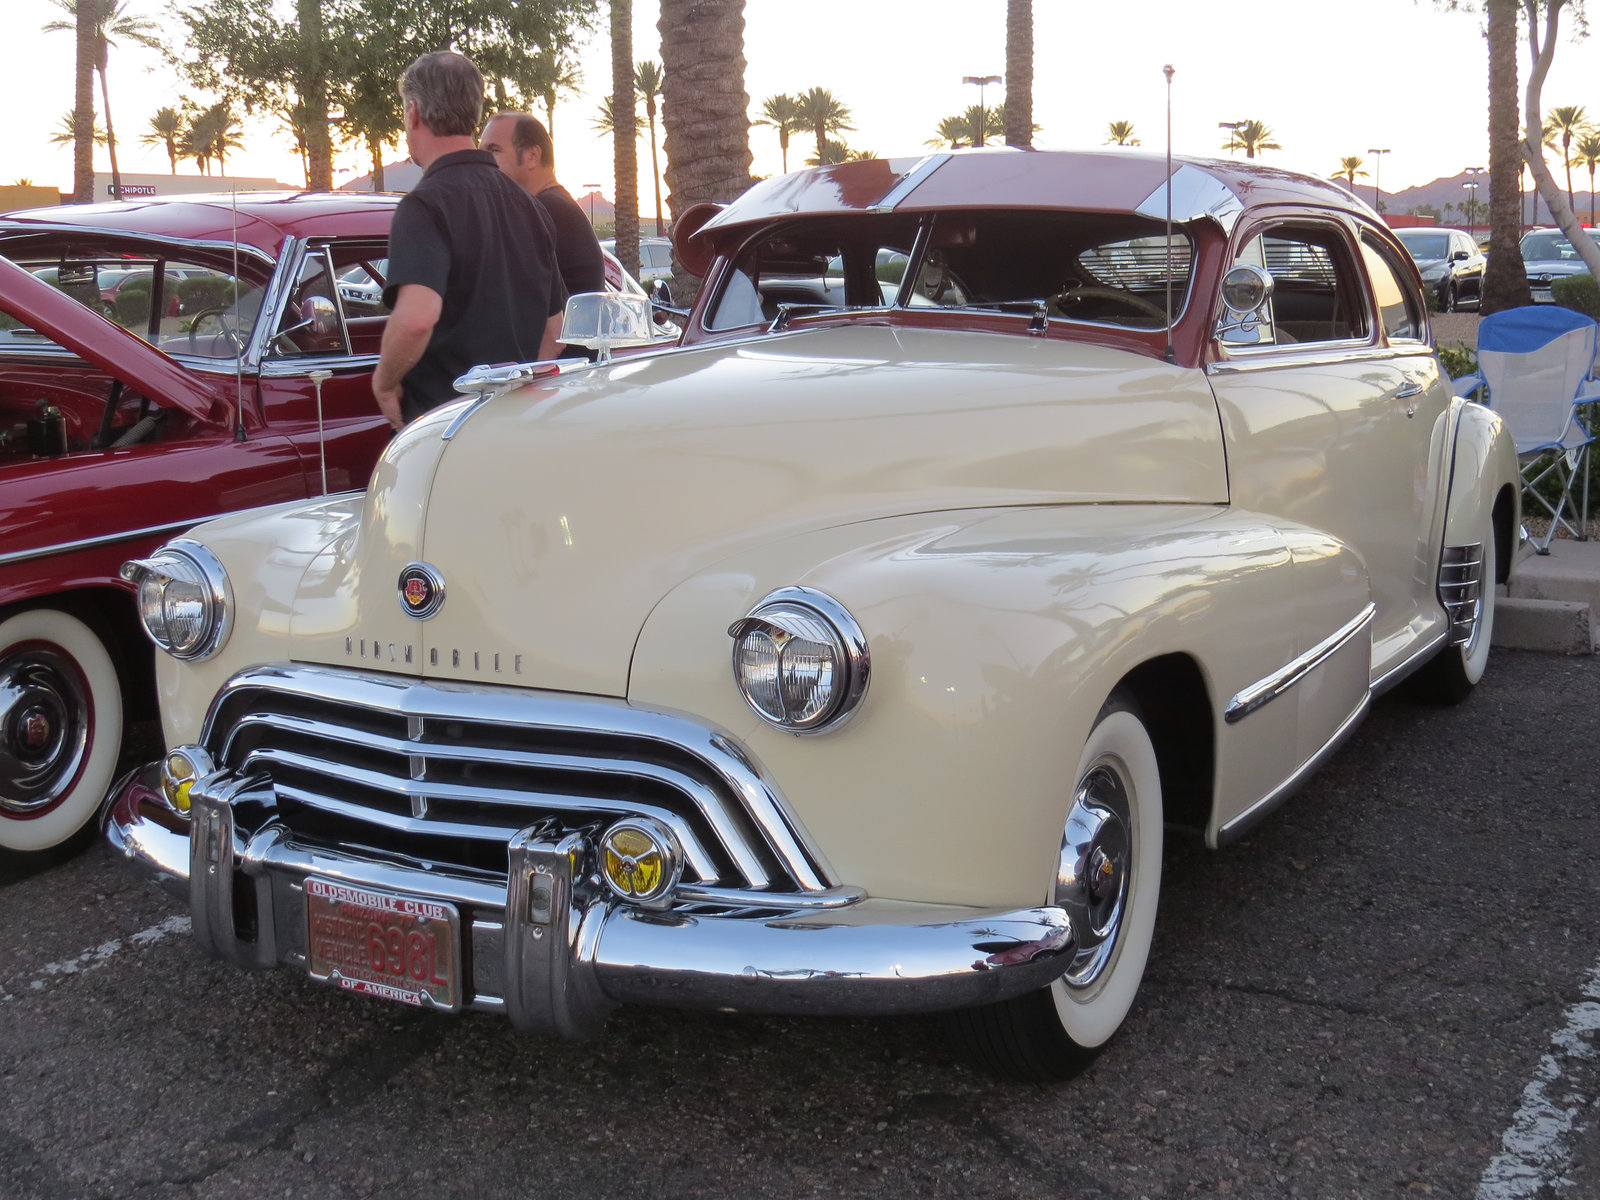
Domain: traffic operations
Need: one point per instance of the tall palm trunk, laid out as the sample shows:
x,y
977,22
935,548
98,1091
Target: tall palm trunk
x,y
83,106
625,135
1505,282
111,137
655,172
704,107
313,90
1019,73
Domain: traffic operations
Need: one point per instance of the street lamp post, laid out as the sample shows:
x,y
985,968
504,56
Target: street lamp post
x,y
1377,177
591,188
1233,131
1472,193
982,81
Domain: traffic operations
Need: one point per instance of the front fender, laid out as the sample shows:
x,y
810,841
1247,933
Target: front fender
x,y
995,639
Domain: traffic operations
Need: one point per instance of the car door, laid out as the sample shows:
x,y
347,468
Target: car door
x,y
1333,419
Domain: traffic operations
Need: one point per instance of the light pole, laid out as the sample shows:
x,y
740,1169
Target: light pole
x,y
1472,193
1233,133
591,188
982,81
1377,176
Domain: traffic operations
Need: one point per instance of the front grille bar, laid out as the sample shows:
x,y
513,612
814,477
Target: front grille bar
x,y
329,711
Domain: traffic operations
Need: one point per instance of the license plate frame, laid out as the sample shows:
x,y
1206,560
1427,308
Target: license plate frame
x,y
419,939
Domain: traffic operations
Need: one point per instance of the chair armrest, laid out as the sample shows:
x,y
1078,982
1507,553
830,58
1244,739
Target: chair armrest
x,y
1467,384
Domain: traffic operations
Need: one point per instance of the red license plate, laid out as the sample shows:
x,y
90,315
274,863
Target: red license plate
x,y
395,947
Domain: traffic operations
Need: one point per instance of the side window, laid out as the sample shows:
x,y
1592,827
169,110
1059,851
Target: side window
x,y
336,304
1399,309
811,270
1315,294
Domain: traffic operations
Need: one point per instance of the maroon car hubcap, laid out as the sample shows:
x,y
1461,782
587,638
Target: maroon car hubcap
x,y
46,718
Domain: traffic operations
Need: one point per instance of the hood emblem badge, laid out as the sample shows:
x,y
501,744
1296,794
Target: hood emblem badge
x,y
421,591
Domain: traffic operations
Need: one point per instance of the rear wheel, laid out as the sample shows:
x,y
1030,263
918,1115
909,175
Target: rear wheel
x,y
60,728
1108,881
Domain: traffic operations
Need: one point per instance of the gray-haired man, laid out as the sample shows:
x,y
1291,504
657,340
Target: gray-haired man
x,y
472,266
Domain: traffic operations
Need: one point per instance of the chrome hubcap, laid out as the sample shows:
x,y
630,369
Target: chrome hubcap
x,y
1092,875
45,722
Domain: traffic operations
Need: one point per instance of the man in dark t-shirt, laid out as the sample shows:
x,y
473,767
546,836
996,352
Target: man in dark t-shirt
x,y
522,147
472,258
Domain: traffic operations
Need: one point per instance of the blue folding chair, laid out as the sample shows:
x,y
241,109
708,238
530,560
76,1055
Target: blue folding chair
x,y
1535,363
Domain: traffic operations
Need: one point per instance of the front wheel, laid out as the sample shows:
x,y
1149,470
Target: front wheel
x,y
1108,880
60,728
1447,301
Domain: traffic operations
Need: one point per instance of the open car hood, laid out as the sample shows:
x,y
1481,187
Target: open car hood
x,y
104,343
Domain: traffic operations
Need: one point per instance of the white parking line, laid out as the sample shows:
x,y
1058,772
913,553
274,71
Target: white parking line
x,y
1536,1149
98,956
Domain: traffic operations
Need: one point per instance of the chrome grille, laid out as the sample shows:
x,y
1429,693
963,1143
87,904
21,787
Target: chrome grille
x,y
1461,586
446,773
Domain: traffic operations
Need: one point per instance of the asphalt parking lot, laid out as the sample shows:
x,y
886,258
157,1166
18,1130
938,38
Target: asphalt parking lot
x,y
1390,989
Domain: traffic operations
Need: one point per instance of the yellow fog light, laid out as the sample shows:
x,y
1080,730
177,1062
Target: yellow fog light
x,y
640,861
179,770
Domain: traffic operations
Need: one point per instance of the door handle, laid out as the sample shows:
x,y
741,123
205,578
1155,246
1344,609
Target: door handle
x,y
1410,393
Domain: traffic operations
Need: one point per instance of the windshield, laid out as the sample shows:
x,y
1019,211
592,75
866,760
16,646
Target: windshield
x,y
182,307
1425,246
1102,268
1550,246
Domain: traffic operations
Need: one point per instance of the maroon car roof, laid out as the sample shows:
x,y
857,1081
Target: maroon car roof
x,y
262,220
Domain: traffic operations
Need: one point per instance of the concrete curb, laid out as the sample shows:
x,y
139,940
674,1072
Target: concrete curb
x,y
1554,626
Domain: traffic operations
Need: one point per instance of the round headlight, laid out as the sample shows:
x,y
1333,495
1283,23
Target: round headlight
x,y
183,599
800,660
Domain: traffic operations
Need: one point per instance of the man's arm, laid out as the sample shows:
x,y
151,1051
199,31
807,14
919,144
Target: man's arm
x,y
550,344
405,337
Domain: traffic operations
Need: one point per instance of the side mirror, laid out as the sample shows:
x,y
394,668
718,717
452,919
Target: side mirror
x,y
1460,256
1246,289
660,293
319,310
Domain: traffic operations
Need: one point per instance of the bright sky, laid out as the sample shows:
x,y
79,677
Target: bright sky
x,y
1328,80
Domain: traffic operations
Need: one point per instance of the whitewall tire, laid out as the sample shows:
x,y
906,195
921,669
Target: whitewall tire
x,y
60,727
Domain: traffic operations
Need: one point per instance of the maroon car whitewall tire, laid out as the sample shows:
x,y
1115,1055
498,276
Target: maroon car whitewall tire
x,y
60,727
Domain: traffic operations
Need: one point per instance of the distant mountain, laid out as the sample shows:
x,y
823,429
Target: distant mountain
x,y
1452,191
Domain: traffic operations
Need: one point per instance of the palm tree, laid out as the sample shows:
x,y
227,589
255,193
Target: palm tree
x,y
211,134
1349,168
782,112
1019,125
1587,154
823,114
647,82
962,129
82,111
66,133
1120,133
1505,281
1560,127
837,152
166,127
705,110
625,143
551,73
1251,136
105,21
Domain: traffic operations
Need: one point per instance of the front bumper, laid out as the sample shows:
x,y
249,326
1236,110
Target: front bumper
x,y
553,950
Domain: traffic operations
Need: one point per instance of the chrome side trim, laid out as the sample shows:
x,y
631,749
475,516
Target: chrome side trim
x,y
1397,673
909,182
1271,357
1276,684
1257,812
1461,589
105,539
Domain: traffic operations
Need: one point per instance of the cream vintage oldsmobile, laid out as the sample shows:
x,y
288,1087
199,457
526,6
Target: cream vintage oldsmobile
x,y
997,513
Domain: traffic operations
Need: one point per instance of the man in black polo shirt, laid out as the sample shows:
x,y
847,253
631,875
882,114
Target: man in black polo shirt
x,y
472,263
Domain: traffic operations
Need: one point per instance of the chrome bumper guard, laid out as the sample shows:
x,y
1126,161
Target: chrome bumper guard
x,y
553,950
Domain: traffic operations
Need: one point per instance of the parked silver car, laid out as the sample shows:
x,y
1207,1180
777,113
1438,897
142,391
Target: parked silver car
x,y
1547,255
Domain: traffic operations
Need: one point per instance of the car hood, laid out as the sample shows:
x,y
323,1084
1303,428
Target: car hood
x,y
104,343
557,516
1554,266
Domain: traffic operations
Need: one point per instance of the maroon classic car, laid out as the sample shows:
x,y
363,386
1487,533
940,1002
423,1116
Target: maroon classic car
x,y
161,362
